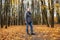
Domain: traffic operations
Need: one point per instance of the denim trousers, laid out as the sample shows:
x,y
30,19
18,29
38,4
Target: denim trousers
x,y
31,27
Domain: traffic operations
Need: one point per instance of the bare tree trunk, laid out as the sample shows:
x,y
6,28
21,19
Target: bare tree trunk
x,y
22,11
32,8
19,12
38,12
58,16
1,16
6,11
44,14
45,17
52,13
42,3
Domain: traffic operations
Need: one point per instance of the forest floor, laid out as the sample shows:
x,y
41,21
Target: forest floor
x,y
42,32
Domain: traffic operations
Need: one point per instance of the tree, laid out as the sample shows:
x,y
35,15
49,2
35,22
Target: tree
x,y
19,5
8,16
52,13
44,13
32,8
6,11
22,12
57,6
42,17
1,16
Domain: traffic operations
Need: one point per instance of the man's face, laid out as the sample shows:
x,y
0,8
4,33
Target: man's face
x,y
28,9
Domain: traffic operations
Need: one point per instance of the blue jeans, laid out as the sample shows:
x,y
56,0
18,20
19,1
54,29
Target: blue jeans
x,y
31,27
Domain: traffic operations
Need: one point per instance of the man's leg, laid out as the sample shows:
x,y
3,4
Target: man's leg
x,y
31,28
27,28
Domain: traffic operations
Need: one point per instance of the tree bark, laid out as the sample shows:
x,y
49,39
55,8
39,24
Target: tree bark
x,y
52,13
1,16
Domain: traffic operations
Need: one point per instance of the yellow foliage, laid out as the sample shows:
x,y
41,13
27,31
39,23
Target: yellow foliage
x,y
15,2
43,6
57,5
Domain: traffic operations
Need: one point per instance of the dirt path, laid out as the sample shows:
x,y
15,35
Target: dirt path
x,y
19,33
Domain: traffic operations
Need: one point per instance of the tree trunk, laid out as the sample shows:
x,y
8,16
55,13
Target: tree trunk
x,y
42,17
6,12
1,16
52,13
22,11
32,8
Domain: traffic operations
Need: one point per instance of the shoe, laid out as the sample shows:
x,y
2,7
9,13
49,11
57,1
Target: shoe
x,y
28,33
32,33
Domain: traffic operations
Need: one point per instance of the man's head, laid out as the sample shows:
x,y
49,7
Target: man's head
x,y
28,9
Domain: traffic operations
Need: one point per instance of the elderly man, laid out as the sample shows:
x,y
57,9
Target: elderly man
x,y
28,21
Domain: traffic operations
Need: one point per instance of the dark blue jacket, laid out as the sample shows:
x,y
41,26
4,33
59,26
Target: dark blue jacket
x,y
28,17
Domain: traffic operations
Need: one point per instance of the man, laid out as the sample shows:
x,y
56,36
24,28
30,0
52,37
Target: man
x,y
28,21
